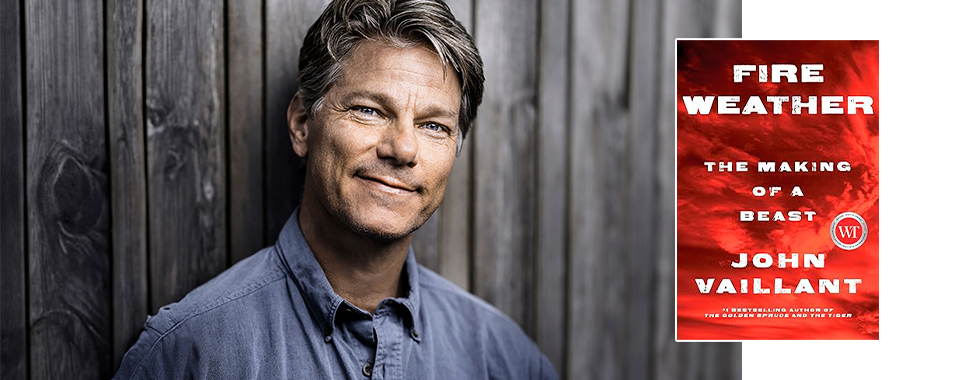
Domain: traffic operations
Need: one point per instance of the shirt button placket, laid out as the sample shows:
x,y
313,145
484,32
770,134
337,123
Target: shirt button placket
x,y
386,342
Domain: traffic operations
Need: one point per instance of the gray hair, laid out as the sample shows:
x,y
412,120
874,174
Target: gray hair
x,y
347,23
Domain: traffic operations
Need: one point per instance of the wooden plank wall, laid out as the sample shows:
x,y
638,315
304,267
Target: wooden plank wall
x,y
144,150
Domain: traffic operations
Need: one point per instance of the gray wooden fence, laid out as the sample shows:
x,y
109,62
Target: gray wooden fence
x,y
144,151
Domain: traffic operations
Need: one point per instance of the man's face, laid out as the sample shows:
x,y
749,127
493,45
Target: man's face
x,y
382,145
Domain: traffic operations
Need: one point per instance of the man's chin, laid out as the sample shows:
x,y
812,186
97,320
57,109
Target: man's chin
x,y
381,236
382,232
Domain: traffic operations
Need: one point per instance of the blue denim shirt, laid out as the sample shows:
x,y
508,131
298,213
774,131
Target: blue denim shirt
x,y
275,316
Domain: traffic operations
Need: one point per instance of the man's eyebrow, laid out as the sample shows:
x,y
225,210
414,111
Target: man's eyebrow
x,y
439,112
369,95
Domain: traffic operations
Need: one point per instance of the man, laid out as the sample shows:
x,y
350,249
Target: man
x,y
387,91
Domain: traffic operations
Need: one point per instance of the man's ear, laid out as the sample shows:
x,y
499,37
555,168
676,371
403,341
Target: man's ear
x,y
297,123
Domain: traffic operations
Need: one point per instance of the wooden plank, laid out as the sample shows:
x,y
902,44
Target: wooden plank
x,y
287,23
691,356
504,154
68,191
13,323
455,224
245,126
686,18
645,199
710,361
127,172
185,139
599,190
552,161
734,359
728,19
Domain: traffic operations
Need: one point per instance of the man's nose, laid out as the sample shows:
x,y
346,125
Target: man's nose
x,y
399,144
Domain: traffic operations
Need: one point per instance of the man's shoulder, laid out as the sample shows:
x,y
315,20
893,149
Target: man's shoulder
x,y
478,326
230,302
437,289
240,283
447,298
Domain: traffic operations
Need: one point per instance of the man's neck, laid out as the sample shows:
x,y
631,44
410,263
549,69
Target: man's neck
x,y
362,271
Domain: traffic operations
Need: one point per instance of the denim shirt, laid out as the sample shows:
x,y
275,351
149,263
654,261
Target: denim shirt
x,y
275,316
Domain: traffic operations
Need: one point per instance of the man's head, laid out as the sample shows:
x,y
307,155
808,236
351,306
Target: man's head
x,y
346,24
387,90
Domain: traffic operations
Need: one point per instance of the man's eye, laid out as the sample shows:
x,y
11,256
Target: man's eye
x,y
367,111
436,127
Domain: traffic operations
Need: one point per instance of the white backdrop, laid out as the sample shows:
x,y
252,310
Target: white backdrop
x,y
918,152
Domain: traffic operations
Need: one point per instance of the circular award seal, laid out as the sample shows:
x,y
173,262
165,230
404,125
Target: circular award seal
x,y
848,230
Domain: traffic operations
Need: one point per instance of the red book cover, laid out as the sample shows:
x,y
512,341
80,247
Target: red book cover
x,y
778,190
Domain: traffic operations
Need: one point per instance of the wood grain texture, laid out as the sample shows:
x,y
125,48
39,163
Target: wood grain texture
x,y
454,221
13,324
686,18
599,191
552,160
504,155
68,191
703,361
287,23
127,172
245,126
185,140
641,276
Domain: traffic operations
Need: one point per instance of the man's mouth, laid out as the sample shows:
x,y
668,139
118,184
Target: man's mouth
x,y
388,184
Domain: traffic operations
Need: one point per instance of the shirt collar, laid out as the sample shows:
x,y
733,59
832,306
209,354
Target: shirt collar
x,y
316,290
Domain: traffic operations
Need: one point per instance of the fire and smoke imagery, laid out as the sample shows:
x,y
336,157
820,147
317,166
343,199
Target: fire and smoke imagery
x,y
778,190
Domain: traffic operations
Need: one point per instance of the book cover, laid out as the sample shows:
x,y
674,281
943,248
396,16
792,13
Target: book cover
x,y
778,190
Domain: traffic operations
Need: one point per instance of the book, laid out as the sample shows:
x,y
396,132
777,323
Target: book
x,y
778,190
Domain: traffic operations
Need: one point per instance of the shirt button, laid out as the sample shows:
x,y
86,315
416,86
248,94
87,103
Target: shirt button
x,y
415,334
368,370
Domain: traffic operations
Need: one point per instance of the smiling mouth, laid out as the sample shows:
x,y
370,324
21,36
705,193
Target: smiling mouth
x,y
388,185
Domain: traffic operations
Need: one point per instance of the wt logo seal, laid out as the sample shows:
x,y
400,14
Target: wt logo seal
x,y
848,231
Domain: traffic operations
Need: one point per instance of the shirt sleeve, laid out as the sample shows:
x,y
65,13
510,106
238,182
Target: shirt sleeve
x,y
157,354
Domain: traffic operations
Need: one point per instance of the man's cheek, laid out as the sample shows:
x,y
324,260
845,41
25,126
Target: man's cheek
x,y
438,193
